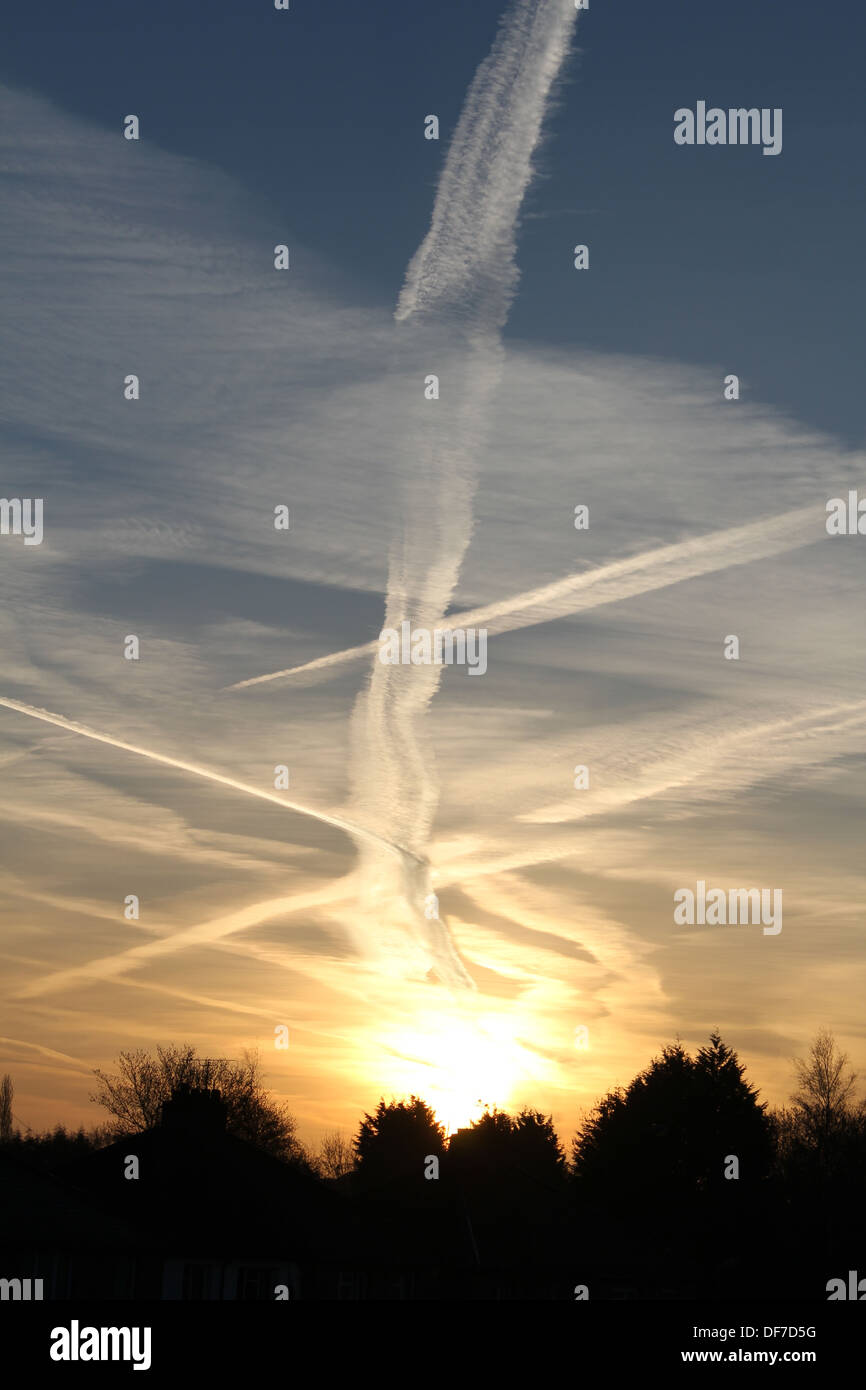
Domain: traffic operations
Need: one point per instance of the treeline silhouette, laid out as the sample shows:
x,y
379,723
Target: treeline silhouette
x,y
680,1184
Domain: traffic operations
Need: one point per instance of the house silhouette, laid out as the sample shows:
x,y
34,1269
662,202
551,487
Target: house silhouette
x,y
187,1210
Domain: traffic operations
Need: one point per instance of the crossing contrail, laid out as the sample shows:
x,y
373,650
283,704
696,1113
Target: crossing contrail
x,y
612,583
349,826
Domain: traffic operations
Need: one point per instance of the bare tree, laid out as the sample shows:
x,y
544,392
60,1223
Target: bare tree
x,y
823,1099
6,1093
336,1155
135,1094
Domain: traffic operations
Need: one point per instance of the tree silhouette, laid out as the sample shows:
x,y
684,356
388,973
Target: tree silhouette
x,y
6,1093
656,1202
393,1143
823,1098
730,1117
135,1095
538,1151
821,1136
505,1164
670,1172
336,1155
821,1157
50,1150
670,1131
499,1148
483,1148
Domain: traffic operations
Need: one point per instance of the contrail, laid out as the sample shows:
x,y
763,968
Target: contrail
x,y
465,267
350,827
50,1052
208,933
614,582
458,286
699,753
463,276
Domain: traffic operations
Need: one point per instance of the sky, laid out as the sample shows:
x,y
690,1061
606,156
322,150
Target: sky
x,y
555,969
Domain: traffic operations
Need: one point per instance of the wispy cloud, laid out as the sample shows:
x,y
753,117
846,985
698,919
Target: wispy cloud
x,y
160,520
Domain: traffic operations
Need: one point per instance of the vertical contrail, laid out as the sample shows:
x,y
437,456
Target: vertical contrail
x,y
465,267
454,302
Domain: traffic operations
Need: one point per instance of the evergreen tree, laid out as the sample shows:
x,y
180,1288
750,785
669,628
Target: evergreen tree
x,y
393,1143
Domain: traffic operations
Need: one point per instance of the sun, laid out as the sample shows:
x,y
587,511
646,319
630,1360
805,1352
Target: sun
x,y
459,1063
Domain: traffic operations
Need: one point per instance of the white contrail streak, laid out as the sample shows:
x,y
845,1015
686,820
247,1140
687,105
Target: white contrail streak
x,y
350,827
203,934
49,1052
612,583
466,266
458,286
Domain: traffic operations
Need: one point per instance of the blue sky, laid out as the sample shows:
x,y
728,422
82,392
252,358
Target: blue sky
x,y
748,262
261,388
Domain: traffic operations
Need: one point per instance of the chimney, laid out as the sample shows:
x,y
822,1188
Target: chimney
x,y
193,1110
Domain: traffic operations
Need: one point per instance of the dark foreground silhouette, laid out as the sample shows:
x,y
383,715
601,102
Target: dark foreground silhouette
x,y
681,1185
